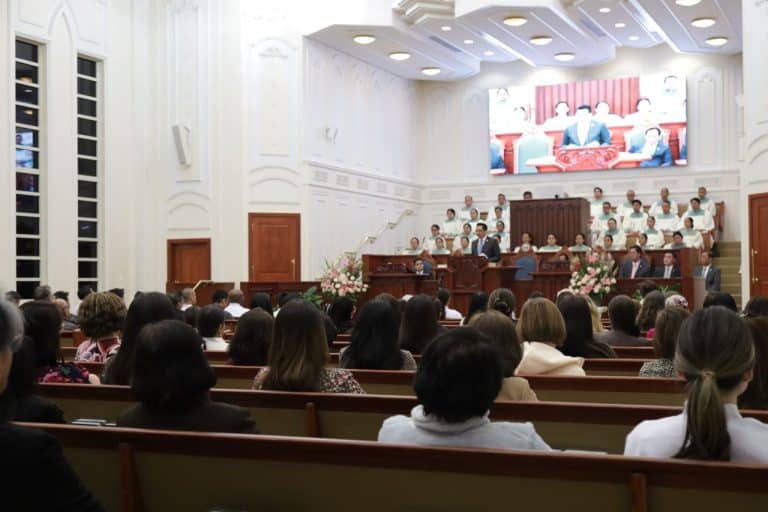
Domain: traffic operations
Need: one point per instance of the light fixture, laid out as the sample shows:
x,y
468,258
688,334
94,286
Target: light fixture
x,y
445,28
399,56
364,39
488,53
634,38
717,41
515,21
687,3
605,9
565,57
430,71
469,41
541,40
28,112
703,22
620,25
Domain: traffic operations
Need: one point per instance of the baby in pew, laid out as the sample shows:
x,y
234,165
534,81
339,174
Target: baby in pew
x,y
459,377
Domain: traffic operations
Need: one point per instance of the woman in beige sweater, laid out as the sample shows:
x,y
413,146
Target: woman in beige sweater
x,y
500,330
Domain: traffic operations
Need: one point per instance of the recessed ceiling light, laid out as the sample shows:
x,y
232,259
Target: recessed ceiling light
x,y
430,71
565,57
620,25
541,40
703,22
515,21
469,41
445,28
687,3
488,53
717,41
399,55
364,39
634,38
605,9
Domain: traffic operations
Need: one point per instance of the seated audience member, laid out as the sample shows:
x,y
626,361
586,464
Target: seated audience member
x,y
19,402
43,293
235,307
31,455
703,217
625,208
341,312
636,220
617,236
430,242
484,245
478,303
188,298
541,328
580,244
561,118
647,287
501,202
190,316
595,315
652,304
552,245
722,299
444,296
624,330
668,221
220,299
440,247
101,318
500,331
586,131
451,225
210,325
635,266
62,307
420,268
172,379
460,375
756,395
756,307
526,244
657,207
262,300
596,203
715,354
13,297
498,214
691,237
504,301
642,241
579,336
465,211
330,328
709,272
147,309
658,153
668,323
467,230
670,269
120,292
527,195
419,325
175,298
250,344
603,114
503,236
676,300
677,241
414,247
374,341
299,352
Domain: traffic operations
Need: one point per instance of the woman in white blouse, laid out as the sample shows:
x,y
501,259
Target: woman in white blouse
x,y
526,243
691,237
716,356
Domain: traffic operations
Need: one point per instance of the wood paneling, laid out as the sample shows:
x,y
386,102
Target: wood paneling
x,y
274,247
620,93
758,244
566,217
189,260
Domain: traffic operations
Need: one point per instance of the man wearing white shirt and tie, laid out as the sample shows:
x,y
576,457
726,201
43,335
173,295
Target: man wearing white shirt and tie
x,y
485,245
709,273
669,270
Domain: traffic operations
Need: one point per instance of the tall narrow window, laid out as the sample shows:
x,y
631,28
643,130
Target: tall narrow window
x,y
88,190
28,169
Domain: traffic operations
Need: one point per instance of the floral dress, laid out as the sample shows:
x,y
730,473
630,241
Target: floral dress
x,y
332,380
64,372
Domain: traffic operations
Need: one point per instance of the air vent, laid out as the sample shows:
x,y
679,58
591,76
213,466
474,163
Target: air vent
x,y
592,27
445,44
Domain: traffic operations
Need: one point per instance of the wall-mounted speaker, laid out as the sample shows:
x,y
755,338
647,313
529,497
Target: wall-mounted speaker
x,y
182,137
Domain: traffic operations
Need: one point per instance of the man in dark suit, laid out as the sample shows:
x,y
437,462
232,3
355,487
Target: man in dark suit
x,y
635,266
586,131
709,272
659,153
421,268
485,245
669,270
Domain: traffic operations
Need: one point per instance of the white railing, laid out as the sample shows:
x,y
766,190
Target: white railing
x,y
371,239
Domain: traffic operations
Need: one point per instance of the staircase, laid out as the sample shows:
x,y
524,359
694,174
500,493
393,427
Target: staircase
x,y
729,263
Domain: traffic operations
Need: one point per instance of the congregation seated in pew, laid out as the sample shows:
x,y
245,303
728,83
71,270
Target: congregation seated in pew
x,y
101,317
579,330
419,324
624,331
250,344
667,326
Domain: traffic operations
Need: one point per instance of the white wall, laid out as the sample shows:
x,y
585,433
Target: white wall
x,y
454,125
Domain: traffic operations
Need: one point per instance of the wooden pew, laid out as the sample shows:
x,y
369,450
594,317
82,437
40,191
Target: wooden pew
x,y
639,352
147,470
583,426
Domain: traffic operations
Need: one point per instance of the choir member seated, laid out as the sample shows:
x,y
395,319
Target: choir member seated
x,y
552,245
526,244
414,248
580,244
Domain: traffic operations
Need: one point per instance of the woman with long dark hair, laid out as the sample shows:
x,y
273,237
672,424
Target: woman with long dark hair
x,y
374,341
477,304
579,337
419,324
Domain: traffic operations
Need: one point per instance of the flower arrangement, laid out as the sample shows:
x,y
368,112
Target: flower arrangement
x,y
343,278
594,278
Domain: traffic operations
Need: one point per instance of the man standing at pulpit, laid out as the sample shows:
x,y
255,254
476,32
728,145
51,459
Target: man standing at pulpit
x,y
485,245
586,132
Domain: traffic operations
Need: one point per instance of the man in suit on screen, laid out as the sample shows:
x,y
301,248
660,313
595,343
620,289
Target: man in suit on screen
x,y
586,132
658,153
485,245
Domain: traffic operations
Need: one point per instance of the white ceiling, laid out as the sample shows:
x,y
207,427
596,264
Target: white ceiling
x,y
575,26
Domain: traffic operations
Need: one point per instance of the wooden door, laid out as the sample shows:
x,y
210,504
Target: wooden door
x,y
758,244
274,247
189,260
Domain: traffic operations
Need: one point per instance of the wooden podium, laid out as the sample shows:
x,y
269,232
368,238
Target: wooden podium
x,y
566,217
